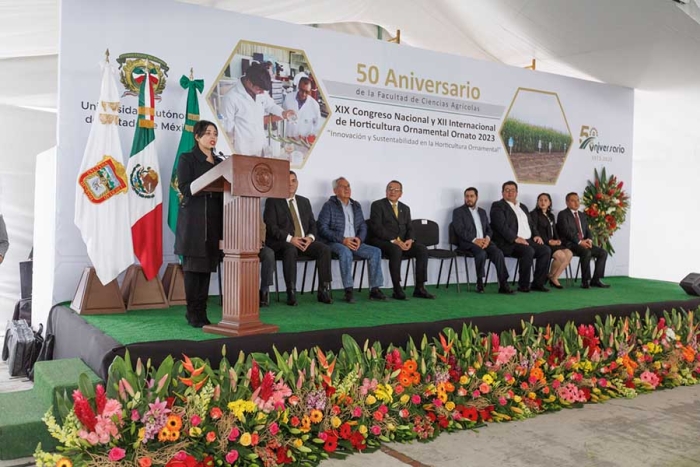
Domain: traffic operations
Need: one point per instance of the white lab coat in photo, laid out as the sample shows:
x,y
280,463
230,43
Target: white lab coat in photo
x,y
243,118
308,116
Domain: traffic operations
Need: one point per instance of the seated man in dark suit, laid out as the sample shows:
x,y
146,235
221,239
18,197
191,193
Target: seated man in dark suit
x,y
516,235
572,226
474,233
390,231
291,231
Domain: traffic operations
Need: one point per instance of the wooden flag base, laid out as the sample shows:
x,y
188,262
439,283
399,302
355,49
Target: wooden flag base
x,y
141,294
174,284
93,298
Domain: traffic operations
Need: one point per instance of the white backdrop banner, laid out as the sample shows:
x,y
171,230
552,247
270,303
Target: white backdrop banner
x,y
376,112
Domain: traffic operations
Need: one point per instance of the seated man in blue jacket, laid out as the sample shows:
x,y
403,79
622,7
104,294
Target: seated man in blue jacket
x,y
342,226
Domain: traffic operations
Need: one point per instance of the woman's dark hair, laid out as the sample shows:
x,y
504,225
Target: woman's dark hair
x,y
200,129
549,208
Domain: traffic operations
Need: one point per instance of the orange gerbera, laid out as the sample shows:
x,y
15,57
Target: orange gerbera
x,y
537,373
316,416
163,435
410,366
174,422
688,354
405,379
64,462
173,435
416,378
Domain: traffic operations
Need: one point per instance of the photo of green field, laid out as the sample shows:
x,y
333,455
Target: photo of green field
x,y
536,136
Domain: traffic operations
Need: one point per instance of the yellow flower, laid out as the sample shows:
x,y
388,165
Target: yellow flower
x,y
517,399
336,422
532,395
442,396
173,436
384,392
370,400
560,377
477,365
390,426
245,439
297,443
450,406
405,398
316,416
362,429
487,379
464,379
657,365
195,432
261,417
142,433
619,360
64,462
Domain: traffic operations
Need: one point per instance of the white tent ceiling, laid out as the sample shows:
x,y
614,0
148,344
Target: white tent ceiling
x,y
645,44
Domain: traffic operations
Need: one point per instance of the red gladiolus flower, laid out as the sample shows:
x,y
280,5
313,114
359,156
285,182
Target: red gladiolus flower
x,y
83,410
100,398
255,376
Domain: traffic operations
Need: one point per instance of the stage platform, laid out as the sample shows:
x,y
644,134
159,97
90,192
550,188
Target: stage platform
x,y
155,334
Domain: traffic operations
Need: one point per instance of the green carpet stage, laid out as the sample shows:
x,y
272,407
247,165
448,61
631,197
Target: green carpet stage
x,y
157,333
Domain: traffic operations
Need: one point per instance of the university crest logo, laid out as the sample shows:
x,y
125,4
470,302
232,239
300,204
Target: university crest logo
x,y
106,179
132,68
144,181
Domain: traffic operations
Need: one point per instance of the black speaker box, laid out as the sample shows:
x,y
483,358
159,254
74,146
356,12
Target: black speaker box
x,y
691,284
25,278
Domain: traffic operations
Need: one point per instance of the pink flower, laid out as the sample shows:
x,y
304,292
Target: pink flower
x,y
484,388
195,420
383,409
505,354
323,435
135,417
399,389
555,384
602,382
274,428
232,456
650,378
415,399
357,412
116,454
235,433
180,456
502,400
403,413
376,430
476,394
437,402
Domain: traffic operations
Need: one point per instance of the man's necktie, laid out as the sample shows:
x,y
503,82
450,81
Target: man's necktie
x,y
295,218
578,226
396,209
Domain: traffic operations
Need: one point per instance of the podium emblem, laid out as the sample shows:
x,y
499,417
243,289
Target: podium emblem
x,y
261,177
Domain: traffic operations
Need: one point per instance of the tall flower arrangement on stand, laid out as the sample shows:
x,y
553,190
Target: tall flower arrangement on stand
x,y
606,208
301,407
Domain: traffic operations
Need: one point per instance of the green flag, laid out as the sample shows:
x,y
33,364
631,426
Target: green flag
x,y
186,143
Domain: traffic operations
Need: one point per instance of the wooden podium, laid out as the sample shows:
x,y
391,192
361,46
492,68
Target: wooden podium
x,y
243,180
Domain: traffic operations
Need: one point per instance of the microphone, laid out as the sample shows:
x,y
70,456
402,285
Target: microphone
x,y
220,155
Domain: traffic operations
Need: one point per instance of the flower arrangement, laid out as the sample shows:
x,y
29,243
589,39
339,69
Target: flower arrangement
x,y
606,208
302,407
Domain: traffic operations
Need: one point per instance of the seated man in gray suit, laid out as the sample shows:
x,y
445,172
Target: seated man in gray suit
x,y
471,226
572,226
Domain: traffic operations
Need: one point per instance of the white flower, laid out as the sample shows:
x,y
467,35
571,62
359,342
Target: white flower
x,y
670,334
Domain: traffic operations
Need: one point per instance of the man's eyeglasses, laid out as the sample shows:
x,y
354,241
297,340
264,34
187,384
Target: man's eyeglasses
x,y
394,190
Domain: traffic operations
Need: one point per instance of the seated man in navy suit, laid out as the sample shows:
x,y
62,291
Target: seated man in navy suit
x,y
471,226
573,230
516,235
390,231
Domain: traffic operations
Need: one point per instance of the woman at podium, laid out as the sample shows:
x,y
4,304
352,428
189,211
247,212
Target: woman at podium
x,y
199,223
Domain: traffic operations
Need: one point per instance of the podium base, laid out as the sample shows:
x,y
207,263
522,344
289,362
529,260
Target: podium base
x,y
141,294
225,328
174,284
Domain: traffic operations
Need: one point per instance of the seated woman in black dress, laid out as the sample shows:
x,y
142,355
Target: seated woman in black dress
x,y
199,223
544,220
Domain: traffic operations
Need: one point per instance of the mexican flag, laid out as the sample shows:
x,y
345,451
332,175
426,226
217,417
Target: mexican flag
x,y
101,200
186,144
145,195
